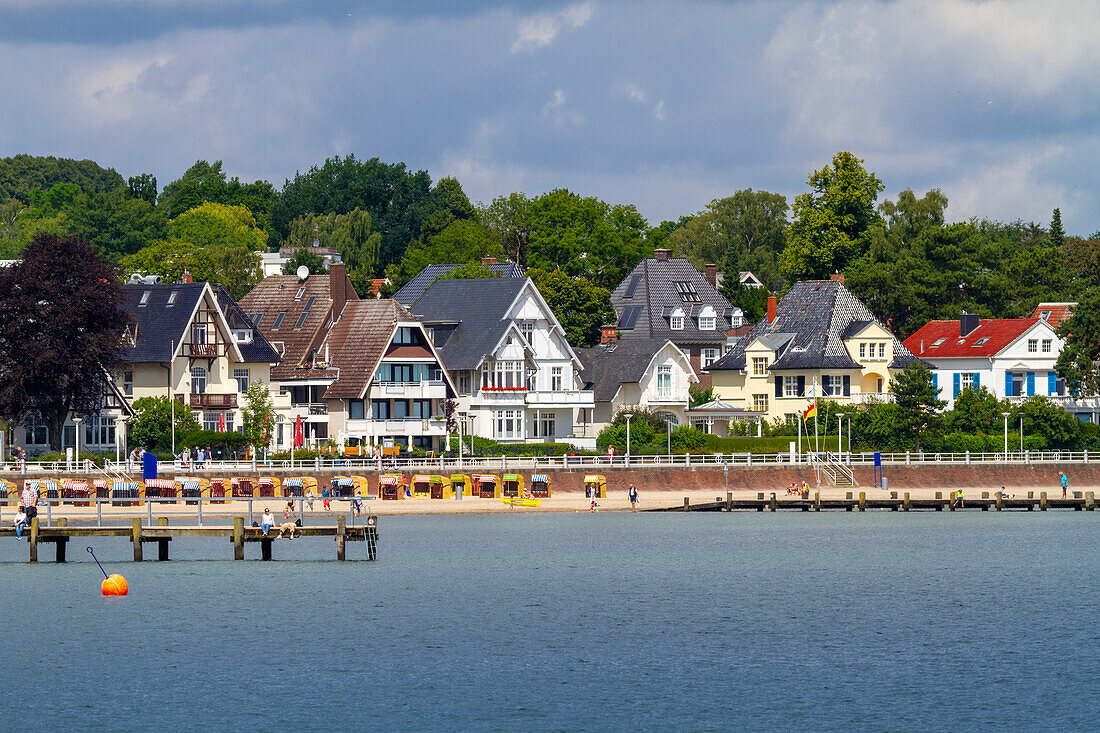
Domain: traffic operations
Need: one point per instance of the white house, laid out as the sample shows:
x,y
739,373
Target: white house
x,y
1011,357
517,377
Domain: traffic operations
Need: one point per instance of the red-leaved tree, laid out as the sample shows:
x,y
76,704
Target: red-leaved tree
x,y
61,326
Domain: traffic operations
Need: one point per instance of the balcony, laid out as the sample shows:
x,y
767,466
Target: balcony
x,y
503,395
561,398
209,401
309,408
202,351
871,398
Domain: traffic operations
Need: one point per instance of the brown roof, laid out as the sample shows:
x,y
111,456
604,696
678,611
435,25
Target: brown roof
x,y
278,294
1056,312
357,341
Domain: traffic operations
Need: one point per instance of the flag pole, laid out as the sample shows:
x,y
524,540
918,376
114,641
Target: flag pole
x,y
817,447
800,421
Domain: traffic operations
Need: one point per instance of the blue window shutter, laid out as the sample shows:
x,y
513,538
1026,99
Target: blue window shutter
x,y
1008,384
955,394
1030,383
936,382
1052,383
977,381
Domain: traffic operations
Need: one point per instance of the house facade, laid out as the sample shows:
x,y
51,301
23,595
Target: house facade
x,y
818,337
517,377
646,373
1011,357
667,298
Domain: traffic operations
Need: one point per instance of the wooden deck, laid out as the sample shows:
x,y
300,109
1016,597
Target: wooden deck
x,y
773,502
162,533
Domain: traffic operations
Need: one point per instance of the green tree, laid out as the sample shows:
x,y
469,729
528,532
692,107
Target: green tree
x,y
753,302
21,174
917,401
831,222
170,259
259,414
113,221
229,238
349,234
745,231
1042,416
1057,234
143,187
1079,362
462,242
580,305
975,411
314,262
700,395
205,182
469,271
151,427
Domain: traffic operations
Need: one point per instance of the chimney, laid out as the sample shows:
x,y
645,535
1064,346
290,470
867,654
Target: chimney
x,y
488,260
337,287
838,277
712,274
771,309
186,277
968,322
661,254
609,334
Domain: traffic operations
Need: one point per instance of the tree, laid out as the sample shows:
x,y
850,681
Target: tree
x,y
21,174
151,427
579,305
917,401
229,238
1043,417
114,222
506,219
313,261
204,182
259,414
462,242
700,395
143,187
62,331
1057,234
169,259
832,221
469,271
753,302
1079,362
745,231
975,411
349,234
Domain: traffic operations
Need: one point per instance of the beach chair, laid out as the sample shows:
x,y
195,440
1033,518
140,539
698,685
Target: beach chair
x,y
124,493
266,487
421,486
293,487
441,487
486,486
217,489
74,490
460,485
160,488
540,486
101,488
595,486
512,485
190,489
50,490
342,487
242,488
391,486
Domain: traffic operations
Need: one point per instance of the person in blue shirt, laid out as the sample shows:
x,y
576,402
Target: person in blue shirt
x,y
1065,483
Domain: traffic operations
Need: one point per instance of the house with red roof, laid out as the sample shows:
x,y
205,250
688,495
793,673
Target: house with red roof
x,y
1053,313
1011,357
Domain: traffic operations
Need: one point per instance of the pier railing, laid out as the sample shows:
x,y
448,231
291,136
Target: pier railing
x,y
11,469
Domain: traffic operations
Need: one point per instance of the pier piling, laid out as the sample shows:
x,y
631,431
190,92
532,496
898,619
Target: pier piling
x,y
136,537
162,544
238,538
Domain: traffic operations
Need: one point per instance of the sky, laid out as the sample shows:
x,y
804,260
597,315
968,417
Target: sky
x,y
665,105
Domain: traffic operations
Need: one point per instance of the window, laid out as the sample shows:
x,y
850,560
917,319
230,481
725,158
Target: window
x,y
833,384
401,373
36,431
356,409
1032,346
229,424
555,379
400,409
200,334
503,375
760,366
406,336
1047,346
99,430
255,318
128,382
422,409
198,380
790,387
144,299
1017,384
545,425
278,321
1045,315
243,335
209,421
863,351
464,383
966,380
172,298
241,375
708,357
737,320
300,293
687,292
760,403
380,409
509,424
708,320
676,319
527,328
305,312
664,381
938,342
633,285
882,350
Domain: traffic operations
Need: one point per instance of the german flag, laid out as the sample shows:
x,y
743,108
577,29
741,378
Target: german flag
x,y
810,411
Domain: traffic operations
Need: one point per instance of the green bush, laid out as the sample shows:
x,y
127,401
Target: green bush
x,y
775,444
980,443
95,458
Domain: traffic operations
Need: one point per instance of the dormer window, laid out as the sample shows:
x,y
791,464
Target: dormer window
x,y
708,319
1045,315
676,319
300,293
144,299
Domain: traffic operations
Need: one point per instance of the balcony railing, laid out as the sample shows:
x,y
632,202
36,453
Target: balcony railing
x,y
203,351
209,401
571,397
310,408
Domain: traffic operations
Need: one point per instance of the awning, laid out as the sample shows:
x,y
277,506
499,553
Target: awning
x,y
77,484
162,483
293,482
343,481
267,482
594,479
387,481
125,485
487,479
458,477
512,477
540,477
421,478
191,485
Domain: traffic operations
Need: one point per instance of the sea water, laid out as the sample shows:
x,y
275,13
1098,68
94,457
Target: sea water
x,y
790,621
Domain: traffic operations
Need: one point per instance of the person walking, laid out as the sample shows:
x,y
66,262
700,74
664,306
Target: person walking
x,y
1065,483
326,501
632,492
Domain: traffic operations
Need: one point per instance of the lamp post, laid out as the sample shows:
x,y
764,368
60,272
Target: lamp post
x,y
1006,434
76,421
626,458
849,437
1021,435
668,427
840,432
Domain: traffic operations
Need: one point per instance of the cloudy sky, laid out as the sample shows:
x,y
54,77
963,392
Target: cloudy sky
x,y
666,105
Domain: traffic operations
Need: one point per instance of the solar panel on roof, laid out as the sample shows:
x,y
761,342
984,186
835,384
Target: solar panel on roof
x,y
633,285
629,317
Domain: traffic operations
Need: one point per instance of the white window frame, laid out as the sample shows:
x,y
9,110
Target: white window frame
x,y
1047,345
708,356
557,378
760,403
882,350
545,424
199,377
1033,346
527,329
760,366
966,381
832,385
508,424
790,387
664,381
241,376
128,382
863,351
676,323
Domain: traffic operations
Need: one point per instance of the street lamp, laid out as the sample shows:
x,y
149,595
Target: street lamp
x,y
1021,434
1006,434
840,432
76,421
626,458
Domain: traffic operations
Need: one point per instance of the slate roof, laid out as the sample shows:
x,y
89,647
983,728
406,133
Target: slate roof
x,y
158,324
418,285
811,321
259,351
645,299
1058,312
608,366
277,294
467,317
999,333
357,342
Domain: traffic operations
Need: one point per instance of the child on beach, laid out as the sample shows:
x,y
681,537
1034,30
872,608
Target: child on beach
x,y
309,499
326,502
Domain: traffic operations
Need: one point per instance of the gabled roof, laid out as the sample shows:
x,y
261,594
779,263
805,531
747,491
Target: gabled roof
x,y
941,339
646,298
156,324
609,366
808,332
358,341
1057,312
418,285
258,351
468,317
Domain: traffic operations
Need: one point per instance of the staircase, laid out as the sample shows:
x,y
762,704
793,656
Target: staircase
x,y
837,473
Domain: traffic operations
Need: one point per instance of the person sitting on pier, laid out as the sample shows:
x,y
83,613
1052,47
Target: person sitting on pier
x,y
291,527
20,522
267,521
792,489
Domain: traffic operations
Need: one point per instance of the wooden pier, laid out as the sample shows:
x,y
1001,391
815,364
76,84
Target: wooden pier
x,y
162,533
851,502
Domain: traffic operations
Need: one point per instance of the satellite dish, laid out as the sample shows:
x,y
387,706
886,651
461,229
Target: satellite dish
x,y
303,272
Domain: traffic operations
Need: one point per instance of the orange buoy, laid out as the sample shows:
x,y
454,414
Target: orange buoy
x,y
114,585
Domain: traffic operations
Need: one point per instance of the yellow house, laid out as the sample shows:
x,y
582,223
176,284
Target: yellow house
x,y
819,339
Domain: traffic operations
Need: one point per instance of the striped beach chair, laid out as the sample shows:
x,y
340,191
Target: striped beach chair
x,y
293,487
74,490
49,488
124,493
540,486
342,487
190,489
242,488
266,487
161,488
101,488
